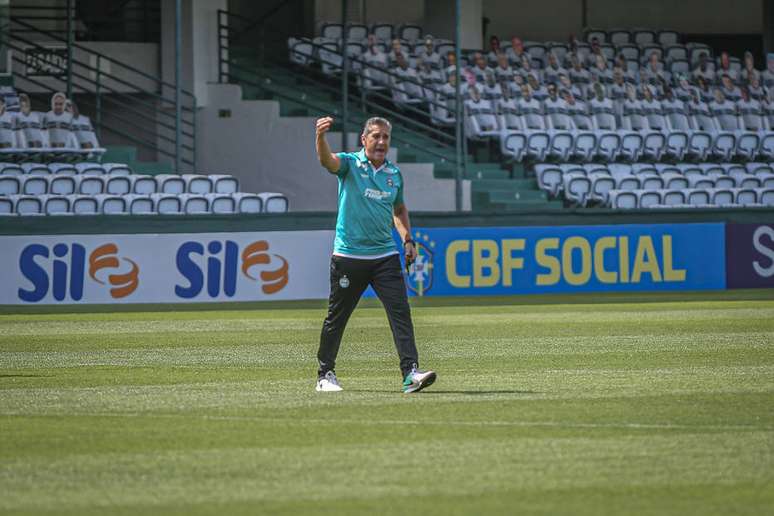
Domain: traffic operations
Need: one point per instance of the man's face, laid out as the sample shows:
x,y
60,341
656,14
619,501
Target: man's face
x,y
451,58
727,82
552,92
502,61
429,46
396,45
525,92
376,142
24,105
569,98
754,82
59,105
516,44
532,81
480,61
565,81
475,95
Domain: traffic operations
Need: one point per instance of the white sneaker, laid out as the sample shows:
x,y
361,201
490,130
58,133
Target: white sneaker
x,y
328,383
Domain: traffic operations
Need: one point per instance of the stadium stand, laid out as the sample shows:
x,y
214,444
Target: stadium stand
x,y
650,109
47,168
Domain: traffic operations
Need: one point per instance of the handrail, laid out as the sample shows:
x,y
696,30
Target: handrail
x,y
131,137
158,80
89,80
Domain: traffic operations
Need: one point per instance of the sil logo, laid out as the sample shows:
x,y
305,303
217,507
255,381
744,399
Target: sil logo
x,y
215,267
62,269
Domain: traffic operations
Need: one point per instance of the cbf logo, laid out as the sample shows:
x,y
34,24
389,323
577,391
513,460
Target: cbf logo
x,y
218,265
63,270
420,275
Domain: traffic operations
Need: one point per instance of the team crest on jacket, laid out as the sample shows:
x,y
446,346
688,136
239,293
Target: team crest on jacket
x,y
390,182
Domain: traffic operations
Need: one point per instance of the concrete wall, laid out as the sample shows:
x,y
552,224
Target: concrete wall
x,y
272,153
556,19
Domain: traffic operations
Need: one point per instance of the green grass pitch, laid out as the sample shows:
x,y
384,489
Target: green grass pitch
x,y
586,405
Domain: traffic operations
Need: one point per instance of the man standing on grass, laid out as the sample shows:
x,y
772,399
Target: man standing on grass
x,y
364,252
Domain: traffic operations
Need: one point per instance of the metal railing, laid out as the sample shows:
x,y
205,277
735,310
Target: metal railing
x,y
129,20
136,100
413,119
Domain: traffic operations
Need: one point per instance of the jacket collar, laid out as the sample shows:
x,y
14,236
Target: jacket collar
x,y
386,167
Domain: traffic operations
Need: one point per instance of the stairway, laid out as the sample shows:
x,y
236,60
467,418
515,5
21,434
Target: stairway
x,y
495,186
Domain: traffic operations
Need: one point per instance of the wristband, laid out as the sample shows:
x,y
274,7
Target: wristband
x,y
408,241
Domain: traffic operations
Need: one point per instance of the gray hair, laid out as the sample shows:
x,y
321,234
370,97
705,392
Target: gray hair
x,y
376,120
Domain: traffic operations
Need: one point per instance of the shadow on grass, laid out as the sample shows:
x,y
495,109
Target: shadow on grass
x,y
429,390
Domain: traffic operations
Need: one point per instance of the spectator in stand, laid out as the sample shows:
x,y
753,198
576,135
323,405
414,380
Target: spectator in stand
x,y
494,50
431,80
58,123
724,111
451,64
630,76
538,91
725,69
566,84
515,87
601,73
651,108
751,113
701,116
556,111
579,112
748,71
767,77
596,51
81,127
632,116
768,111
406,80
508,110
526,70
491,89
703,70
395,51
675,111
618,92
579,75
516,52
530,111
480,69
503,71
29,124
757,91
376,62
684,90
653,72
730,91
428,55
8,138
703,91
602,109
553,70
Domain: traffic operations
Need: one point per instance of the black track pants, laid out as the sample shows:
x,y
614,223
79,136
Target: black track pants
x,y
349,279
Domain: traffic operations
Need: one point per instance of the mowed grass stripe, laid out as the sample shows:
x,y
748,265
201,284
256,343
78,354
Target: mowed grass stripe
x,y
629,408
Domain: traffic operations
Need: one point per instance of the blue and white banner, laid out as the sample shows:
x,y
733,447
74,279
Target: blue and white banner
x,y
537,260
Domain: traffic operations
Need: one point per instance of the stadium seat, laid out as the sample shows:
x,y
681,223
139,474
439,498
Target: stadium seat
x,y
6,206
248,203
118,185
27,204
197,183
766,196
549,178
112,204
62,184
622,199
672,197
410,32
84,204
167,203
224,183
195,204
274,202
138,204
34,185
577,188
383,31
11,169
697,198
90,169
722,198
169,184
63,169
333,31
117,169
601,186
56,204
668,38
746,197
35,169
221,203
90,185
514,145
10,185
143,185
619,37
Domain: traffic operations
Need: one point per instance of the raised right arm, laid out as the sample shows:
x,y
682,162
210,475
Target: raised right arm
x,y
329,160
